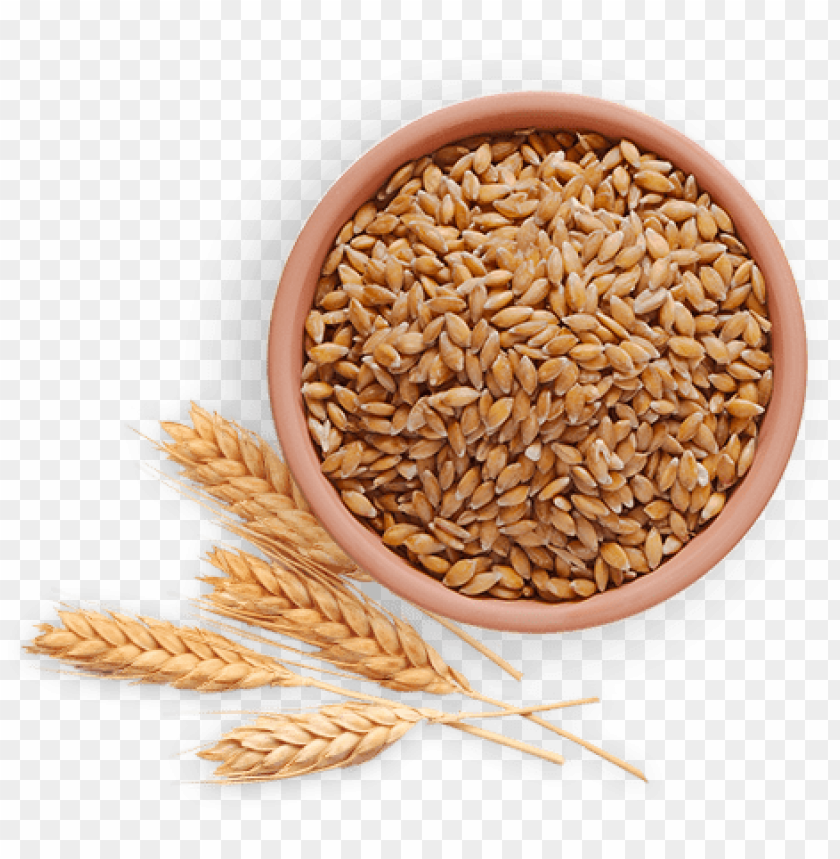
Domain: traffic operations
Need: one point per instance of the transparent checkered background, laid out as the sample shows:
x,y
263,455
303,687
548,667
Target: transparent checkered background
x,y
155,169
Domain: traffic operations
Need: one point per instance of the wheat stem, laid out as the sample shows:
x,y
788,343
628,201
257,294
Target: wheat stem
x,y
475,644
508,741
339,735
446,718
441,718
607,756
518,711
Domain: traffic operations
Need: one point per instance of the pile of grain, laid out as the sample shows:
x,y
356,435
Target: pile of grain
x,y
536,364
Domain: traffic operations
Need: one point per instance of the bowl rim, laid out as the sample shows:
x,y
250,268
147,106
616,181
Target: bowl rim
x,y
508,112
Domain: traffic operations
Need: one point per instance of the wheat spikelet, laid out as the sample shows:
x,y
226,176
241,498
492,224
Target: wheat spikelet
x,y
154,651
241,471
283,746
348,630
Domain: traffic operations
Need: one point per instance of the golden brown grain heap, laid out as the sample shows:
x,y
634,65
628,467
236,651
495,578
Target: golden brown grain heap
x,y
536,364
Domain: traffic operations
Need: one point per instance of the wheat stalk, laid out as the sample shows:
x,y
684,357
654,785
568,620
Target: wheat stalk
x,y
282,601
347,628
335,736
153,651
242,472
566,735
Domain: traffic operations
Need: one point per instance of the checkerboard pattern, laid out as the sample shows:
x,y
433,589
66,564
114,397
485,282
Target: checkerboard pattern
x,y
157,161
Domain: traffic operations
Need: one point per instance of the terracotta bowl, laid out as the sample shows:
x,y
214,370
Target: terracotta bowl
x,y
502,113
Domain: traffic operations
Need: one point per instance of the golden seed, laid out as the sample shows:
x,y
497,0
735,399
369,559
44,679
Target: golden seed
x,y
461,572
685,347
653,548
358,504
583,587
678,210
459,397
396,535
614,555
743,408
713,506
481,583
423,544
652,181
513,497
499,412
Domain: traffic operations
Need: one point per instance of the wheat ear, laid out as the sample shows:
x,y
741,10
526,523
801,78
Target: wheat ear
x,y
337,735
155,651
243,473
347,628
280,747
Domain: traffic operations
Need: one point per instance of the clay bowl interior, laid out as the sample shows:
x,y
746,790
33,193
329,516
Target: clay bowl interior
x,y
504,113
